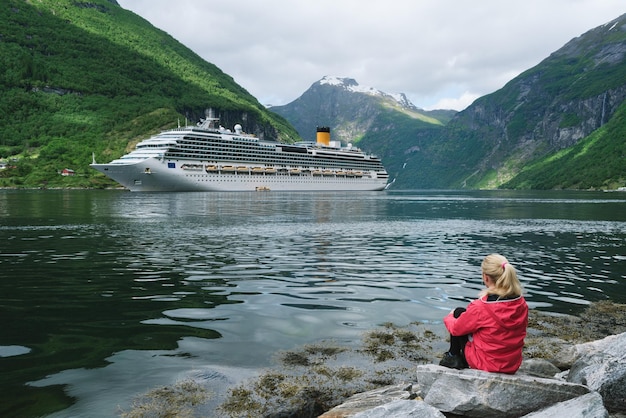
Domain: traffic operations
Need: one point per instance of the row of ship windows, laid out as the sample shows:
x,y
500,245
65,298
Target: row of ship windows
x,y
266,150
204,137
255,153
276,159
307,162
228,143
273,179
202,145
249,143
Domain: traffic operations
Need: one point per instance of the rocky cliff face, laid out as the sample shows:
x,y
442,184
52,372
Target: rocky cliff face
x,y
562,100
252,122
548,108
558,125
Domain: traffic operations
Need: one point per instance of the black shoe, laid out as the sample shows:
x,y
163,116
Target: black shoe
x,y
453,361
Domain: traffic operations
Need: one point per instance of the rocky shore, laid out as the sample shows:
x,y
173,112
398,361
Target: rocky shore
x,y
594,386
574,366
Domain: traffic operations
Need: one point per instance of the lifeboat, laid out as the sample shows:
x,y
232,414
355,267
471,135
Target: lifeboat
x,y
193,167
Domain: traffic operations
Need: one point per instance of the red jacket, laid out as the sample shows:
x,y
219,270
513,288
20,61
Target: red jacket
x,y
497,331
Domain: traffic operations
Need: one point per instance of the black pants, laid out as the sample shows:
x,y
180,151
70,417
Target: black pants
x,y
457,344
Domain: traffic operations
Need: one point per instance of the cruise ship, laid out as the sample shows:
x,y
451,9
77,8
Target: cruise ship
x,y
208,157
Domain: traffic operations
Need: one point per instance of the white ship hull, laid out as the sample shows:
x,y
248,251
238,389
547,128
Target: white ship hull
x,y
153,175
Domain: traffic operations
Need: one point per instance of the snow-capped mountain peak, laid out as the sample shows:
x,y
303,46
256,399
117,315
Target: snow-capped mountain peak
x,y
351,85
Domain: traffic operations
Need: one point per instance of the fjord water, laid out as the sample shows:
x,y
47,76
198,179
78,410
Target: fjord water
x,y
106,294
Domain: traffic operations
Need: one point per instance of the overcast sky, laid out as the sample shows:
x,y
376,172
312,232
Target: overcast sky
x,y
440,53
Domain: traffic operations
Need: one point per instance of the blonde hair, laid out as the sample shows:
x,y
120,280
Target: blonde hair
x,y
503,275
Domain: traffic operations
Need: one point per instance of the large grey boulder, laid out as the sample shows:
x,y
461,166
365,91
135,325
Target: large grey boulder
x,y
402,409
538,368
561,353
474,393
371,399
586,406
601,366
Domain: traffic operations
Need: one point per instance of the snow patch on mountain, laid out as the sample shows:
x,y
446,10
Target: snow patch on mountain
x,y
350,84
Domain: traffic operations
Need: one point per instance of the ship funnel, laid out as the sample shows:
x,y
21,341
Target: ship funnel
x,y
323,135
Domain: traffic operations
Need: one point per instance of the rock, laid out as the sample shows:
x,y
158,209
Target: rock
x,y
371,399
475,393
539,389
538,367
559,352
601,366
402,409
586,406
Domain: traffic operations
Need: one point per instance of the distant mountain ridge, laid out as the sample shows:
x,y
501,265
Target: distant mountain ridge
x,y
352,110
350,84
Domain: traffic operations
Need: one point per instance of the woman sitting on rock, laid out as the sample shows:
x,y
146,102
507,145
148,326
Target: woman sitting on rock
x,y
489,334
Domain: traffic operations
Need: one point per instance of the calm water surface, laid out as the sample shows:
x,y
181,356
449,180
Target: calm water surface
x,y
106,294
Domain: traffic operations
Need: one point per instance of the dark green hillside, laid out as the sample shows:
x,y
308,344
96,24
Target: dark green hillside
x,y
397,138
82,77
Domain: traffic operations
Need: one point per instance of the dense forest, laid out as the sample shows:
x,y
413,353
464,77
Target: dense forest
x,y
90,78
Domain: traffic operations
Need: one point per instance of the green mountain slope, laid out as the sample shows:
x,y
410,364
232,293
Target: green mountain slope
x,y
539,116
83,77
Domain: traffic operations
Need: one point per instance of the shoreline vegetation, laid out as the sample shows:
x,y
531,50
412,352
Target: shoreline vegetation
x,y
312,379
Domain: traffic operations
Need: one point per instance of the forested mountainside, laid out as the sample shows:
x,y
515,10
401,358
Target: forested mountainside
x,y
560,124
82,77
